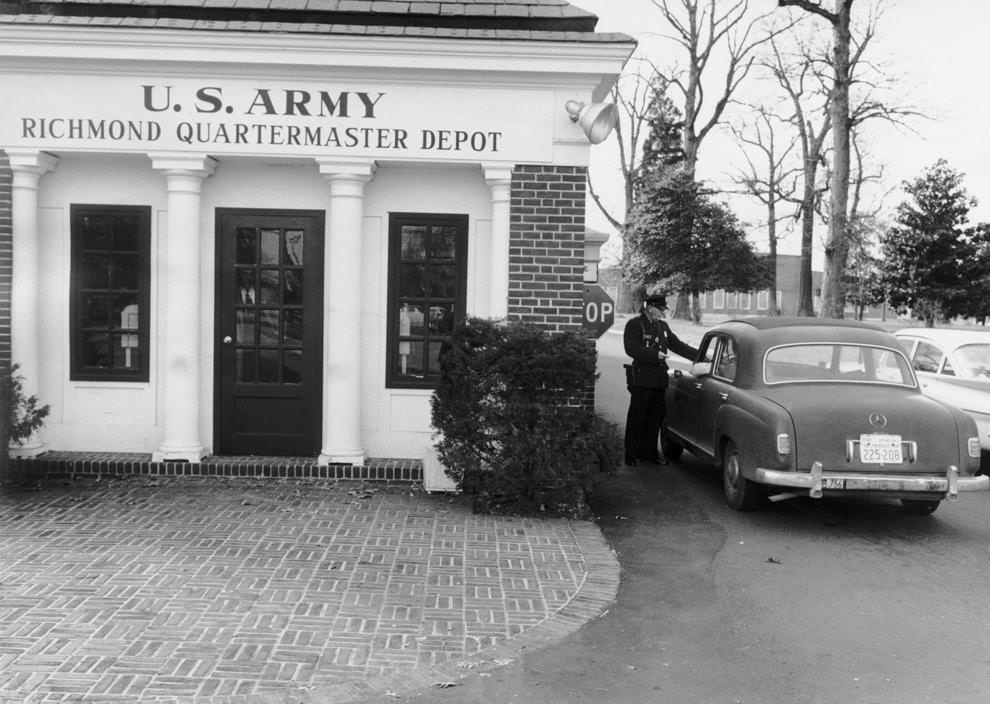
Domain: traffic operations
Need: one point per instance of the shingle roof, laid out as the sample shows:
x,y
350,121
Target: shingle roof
x,y
514,19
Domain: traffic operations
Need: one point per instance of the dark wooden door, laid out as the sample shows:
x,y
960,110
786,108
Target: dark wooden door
x,y
269,332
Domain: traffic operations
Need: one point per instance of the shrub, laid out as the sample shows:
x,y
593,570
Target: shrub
x,y
513,415
24,415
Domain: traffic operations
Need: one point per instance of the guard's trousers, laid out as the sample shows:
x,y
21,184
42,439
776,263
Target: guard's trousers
x,y
643,421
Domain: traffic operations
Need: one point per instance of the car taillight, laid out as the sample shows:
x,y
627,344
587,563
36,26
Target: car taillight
x,y
783,444
974,447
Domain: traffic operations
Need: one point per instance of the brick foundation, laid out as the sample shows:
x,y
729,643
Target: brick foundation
x,y
127,464
6,277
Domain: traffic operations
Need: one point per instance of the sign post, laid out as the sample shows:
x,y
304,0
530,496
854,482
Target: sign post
x,y
599,311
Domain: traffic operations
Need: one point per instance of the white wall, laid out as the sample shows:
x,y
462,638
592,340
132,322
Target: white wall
x,y
125,417
396,422
111,416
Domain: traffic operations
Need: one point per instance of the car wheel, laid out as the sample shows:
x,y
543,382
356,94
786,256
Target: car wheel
x,y
919,507
671,448
740,493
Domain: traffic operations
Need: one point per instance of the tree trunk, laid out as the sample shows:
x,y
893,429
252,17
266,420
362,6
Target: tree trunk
x,y
772,308
837,247
682,309
806,304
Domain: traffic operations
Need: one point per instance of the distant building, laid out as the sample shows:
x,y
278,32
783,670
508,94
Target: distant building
x,y
737,303
725,302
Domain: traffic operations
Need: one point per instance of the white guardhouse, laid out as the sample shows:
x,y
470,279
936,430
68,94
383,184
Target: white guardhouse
x,y
241,228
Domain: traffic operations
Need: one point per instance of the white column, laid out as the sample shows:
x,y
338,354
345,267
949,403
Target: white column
x,y
499,180
342,440
179,307
28,166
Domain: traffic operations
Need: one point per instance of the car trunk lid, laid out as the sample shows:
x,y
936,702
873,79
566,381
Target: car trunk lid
x,y
836,428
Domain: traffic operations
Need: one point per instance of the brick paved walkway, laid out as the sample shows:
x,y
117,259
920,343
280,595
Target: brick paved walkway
x,y
228,591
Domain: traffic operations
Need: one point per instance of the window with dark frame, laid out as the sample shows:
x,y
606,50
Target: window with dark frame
x,y
427,292
109,292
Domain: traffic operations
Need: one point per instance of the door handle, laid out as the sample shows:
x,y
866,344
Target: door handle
x,y
724,396
698,385
227,339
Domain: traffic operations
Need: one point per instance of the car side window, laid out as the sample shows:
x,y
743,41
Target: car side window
x,y
907,343
726,365
706,352
927,358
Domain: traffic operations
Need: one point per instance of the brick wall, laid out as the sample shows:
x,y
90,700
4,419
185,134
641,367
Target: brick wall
x,y
546,246
6,270
546,250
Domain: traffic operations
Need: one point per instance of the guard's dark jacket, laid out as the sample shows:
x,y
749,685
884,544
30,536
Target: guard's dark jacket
x,y
643,340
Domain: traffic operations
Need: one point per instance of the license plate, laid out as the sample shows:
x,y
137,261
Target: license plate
x,y
876,448
833,483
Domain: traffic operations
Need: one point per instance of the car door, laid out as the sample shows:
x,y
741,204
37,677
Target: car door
x,y
716,389
682,401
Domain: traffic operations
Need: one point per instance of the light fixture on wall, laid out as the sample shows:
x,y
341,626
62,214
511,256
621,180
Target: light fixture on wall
x,y
596,120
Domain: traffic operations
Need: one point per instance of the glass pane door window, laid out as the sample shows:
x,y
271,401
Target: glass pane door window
x,y
427,291
268,305
110,292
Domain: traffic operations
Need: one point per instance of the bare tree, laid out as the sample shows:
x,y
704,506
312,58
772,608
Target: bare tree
x,y
863,226
807,77
837,245
769,179
633,94
799,75
714,35
719,41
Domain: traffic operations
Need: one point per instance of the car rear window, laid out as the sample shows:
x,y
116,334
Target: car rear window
x,y
835,362
974,360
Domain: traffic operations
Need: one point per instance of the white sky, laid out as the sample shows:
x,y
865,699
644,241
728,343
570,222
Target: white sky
x,y
940,52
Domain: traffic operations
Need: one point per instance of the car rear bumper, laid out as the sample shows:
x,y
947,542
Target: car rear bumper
x,y
818,481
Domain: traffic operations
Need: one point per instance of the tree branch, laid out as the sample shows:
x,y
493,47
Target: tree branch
x,y
811,7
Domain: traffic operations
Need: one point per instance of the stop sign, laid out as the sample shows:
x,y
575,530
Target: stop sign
x,y
599,311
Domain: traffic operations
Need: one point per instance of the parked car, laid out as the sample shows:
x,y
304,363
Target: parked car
x,y
805,406
954,366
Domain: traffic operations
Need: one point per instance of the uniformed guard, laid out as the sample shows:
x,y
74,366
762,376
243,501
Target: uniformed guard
x,y
648,340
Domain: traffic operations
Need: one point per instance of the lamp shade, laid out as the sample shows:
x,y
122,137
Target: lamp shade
x,y
596,120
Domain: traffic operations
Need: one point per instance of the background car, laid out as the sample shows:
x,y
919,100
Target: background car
x,y
954,366
804,406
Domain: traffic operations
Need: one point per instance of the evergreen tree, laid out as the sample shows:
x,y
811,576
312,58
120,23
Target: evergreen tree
x,y
927,254
662,147
679,238
978,300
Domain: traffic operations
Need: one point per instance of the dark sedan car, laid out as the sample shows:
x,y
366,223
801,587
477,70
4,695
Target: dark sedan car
x,y
805,406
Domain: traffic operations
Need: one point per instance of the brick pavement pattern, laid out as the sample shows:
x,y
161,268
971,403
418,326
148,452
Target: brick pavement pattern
x,y
228,591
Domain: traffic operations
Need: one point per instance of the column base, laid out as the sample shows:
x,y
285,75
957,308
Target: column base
x,y
190,454
355,457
